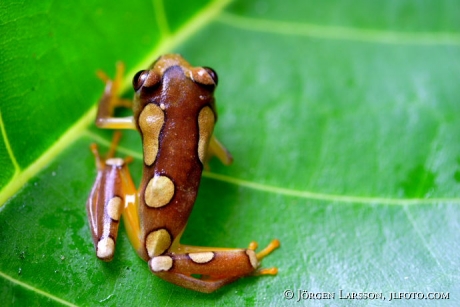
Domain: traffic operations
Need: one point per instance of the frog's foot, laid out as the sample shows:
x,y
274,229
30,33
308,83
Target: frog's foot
x,y
216,149
112,87
107,199
101,161
111,99
274,244
208,269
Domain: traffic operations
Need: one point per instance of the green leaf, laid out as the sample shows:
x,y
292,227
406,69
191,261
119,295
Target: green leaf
x,y
342,118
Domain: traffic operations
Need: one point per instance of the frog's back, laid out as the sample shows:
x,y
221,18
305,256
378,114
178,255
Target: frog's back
x,y
173,151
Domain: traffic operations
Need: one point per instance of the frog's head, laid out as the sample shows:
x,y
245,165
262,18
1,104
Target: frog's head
x,y
171,82
153,76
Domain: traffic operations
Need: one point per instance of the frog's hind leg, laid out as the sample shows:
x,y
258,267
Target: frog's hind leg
x,y
208,269
108,198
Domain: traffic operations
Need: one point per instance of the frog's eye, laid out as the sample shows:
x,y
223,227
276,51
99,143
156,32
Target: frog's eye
x,y
139,79
213,74
145,78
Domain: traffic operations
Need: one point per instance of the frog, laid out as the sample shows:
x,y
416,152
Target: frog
x,y
175,113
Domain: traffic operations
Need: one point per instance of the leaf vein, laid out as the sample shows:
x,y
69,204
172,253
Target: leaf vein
x,y
339,32
422,238
161,18
370,200
6,141
195,23
292,192
72,134
36,290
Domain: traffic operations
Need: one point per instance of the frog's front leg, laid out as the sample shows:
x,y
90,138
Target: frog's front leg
x,y
112,192
213,267
216,149
111,100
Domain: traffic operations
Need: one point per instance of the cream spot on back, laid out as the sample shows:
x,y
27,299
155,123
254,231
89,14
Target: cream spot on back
x,y
203,257
206,125
157,242
161,263
252,258
159,191
105,248
151,121
115,162
114,208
